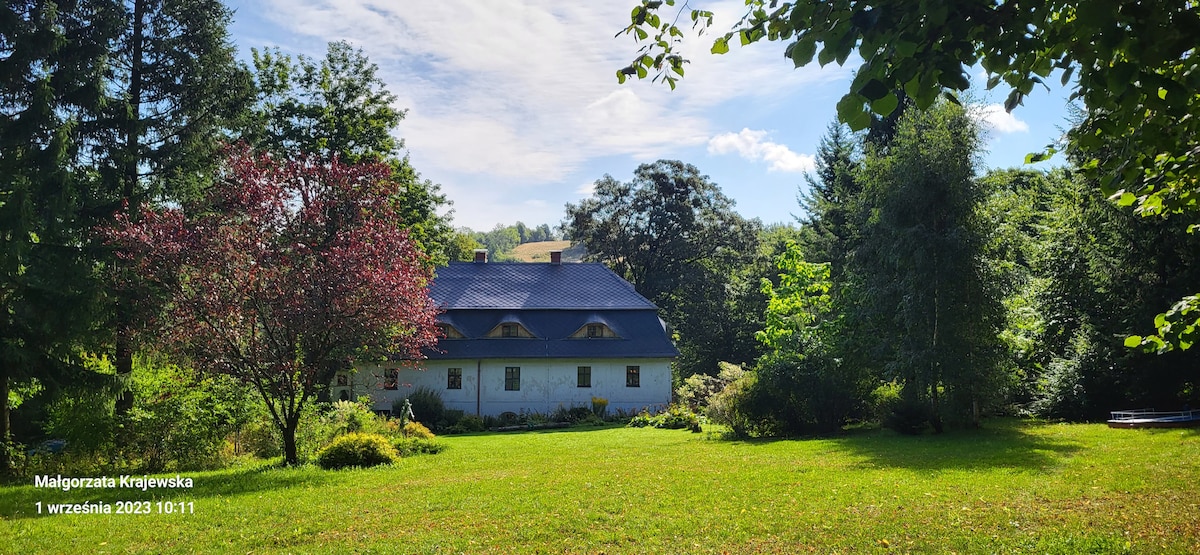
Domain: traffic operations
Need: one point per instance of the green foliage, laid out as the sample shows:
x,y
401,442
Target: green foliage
x,y
735,406
417,430
799,304
349,416
179,421
338,106
908,417
412,446
1136,78
928,295
357,450
698,389
676,417
469,423
672,234
427,405
599,406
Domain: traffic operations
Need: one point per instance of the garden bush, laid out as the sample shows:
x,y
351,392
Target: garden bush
x,y
414,429
410,446
467,424
357,449
676,417
427,405
599,406
908,417
350,416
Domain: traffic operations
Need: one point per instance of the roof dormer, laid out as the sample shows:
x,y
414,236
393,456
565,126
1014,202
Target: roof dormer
x,y
510,329
450,332
595,330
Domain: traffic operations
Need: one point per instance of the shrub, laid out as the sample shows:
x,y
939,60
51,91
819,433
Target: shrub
x,y
350,416
356,449
599,406
467,424
259,438
414,429
427,405
908,417
697,389
453,416
409,446
884,399
676,417
729,407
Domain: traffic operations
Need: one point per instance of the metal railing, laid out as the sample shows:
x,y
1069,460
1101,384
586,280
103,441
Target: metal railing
x,y
1151,414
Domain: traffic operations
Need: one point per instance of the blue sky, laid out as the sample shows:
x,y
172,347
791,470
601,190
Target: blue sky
x,y
514,109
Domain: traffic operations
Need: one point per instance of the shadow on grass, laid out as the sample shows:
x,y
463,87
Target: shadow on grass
x,y
1002,443
21,501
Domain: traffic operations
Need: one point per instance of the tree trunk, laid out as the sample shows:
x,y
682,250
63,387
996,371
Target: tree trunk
x,y
123,359
5,460
935,417
290,458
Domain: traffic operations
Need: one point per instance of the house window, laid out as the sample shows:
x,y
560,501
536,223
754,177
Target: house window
x,y
584,376
512,378
508,330
391,379
633,376
449,332
454,378
595,330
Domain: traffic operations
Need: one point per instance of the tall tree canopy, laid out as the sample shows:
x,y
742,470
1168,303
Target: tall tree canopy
x,y
50,81
673,234
172,92
1135,65
339,107
921,265
289,272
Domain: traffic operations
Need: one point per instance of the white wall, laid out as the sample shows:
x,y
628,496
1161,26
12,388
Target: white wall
x,y
546,384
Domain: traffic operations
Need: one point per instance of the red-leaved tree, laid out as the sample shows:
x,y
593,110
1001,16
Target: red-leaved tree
x,y
288,272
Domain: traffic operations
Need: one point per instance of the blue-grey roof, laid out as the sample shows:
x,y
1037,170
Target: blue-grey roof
x,y
518,285
640,334
552,302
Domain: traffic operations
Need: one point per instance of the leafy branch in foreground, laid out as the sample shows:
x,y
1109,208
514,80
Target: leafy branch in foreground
x,y
1136,73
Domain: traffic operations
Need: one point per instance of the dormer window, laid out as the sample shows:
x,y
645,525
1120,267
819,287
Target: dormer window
x,y
510,330
450,332
594,330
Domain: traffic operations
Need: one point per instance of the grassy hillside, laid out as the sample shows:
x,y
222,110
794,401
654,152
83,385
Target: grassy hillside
x,y
1014,487
540,251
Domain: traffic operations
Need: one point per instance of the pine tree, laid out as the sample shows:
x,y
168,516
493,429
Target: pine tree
x,y
174,92
49,83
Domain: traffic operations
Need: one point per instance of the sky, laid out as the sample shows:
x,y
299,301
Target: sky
x,y
514,109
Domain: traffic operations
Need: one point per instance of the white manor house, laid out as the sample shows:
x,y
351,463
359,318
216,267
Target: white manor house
x,y
532,337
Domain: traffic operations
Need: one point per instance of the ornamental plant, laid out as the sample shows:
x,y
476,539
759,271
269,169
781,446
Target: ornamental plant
x,y
286,272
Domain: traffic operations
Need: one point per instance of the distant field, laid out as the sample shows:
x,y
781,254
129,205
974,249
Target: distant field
x,y
1014,487
540,251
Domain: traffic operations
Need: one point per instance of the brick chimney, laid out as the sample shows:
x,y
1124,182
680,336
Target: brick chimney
x,y
480,256
556,257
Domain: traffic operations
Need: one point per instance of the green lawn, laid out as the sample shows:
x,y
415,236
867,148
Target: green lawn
x,y
1014,487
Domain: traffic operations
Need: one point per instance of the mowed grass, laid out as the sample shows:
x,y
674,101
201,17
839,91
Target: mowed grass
x,y
1013,487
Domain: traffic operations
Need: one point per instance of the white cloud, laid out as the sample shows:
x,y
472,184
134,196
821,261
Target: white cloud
x,y
527,89
754,146
994,116
586,189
